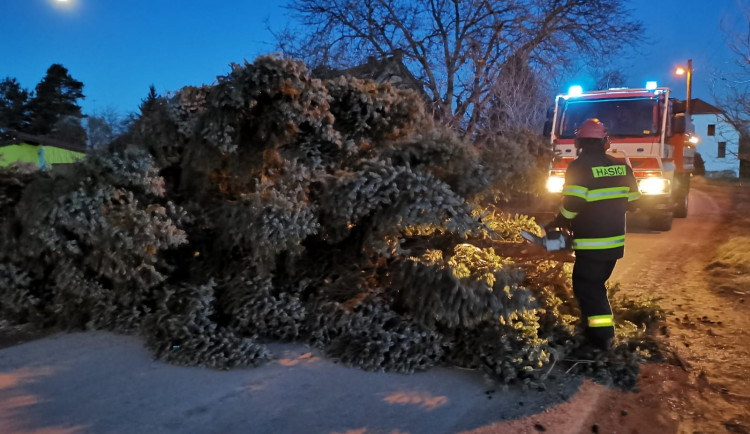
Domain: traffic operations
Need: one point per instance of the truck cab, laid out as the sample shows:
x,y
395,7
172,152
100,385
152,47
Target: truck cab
x,y
644,129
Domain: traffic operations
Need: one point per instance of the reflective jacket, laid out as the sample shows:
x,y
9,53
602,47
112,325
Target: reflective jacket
x,y
596,194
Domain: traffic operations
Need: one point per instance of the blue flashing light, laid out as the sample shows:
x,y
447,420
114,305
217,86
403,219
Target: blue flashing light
x,y
575,90
650,85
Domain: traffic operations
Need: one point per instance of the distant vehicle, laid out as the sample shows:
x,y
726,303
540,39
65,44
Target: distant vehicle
x,y
643,129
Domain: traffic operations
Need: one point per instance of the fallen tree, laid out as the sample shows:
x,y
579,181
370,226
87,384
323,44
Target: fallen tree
x,y
273,206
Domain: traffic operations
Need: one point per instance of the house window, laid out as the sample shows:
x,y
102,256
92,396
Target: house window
x,y
722,149
711,130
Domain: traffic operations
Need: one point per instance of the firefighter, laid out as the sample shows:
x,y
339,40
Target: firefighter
x,y
597,192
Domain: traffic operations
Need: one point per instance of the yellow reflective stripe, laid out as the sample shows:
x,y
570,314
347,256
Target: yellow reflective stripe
x,y
601,321
607,193
575,190
568,214
634,196
597,194
599,243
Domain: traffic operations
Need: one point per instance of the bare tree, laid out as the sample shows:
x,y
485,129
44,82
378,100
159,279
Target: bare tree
x,y
518,100
610,78
457,48
731,89
104,125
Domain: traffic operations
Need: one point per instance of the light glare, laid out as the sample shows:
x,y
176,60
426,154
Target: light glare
x,y
575,90
653,186
680,71
555,184
650,85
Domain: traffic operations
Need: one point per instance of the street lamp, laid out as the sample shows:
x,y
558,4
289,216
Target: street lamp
x,y
689,72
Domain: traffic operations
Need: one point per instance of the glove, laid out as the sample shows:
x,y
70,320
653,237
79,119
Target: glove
x,y
557,224
549,227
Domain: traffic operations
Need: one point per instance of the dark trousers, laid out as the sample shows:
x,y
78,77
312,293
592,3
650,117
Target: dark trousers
x,y
589,277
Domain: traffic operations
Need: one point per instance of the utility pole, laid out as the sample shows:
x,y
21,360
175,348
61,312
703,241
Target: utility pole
x,y
690,86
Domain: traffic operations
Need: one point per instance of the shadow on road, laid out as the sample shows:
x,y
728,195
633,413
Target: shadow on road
x,y
101,382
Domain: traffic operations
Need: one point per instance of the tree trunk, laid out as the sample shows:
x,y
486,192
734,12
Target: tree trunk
x,y
744,155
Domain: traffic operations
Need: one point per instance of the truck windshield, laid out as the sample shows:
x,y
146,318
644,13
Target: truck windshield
x,y
623,117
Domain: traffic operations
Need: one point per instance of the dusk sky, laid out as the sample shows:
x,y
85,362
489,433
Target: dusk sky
x,y
118,48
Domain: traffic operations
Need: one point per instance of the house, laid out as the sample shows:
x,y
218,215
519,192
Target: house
x,y
719,141
40,151
386,70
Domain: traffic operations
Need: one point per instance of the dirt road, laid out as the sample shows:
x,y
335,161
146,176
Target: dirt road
x,y
705,387
709,328
99,382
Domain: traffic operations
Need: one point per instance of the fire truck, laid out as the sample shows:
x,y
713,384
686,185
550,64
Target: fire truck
x,y
645,131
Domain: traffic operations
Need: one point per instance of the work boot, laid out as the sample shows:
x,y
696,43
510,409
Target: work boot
x,y
600,337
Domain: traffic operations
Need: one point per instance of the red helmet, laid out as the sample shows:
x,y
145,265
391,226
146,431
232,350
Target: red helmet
x,y
591,129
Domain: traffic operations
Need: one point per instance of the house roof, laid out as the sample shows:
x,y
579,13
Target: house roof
x,y
697,107
386,70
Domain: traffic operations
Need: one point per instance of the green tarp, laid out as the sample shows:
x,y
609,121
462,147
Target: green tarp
x,y
41,156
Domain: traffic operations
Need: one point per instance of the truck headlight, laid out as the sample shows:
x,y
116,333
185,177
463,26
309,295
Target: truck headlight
x,y
653,186
555,184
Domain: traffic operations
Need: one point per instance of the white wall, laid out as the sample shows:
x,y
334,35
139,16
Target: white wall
x,y
708,146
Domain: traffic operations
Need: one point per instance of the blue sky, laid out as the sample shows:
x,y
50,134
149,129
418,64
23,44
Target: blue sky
x,y
118,48
678,30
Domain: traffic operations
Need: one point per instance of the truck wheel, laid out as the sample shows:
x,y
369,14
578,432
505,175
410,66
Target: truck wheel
x,y
660,222
681,207
680,195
